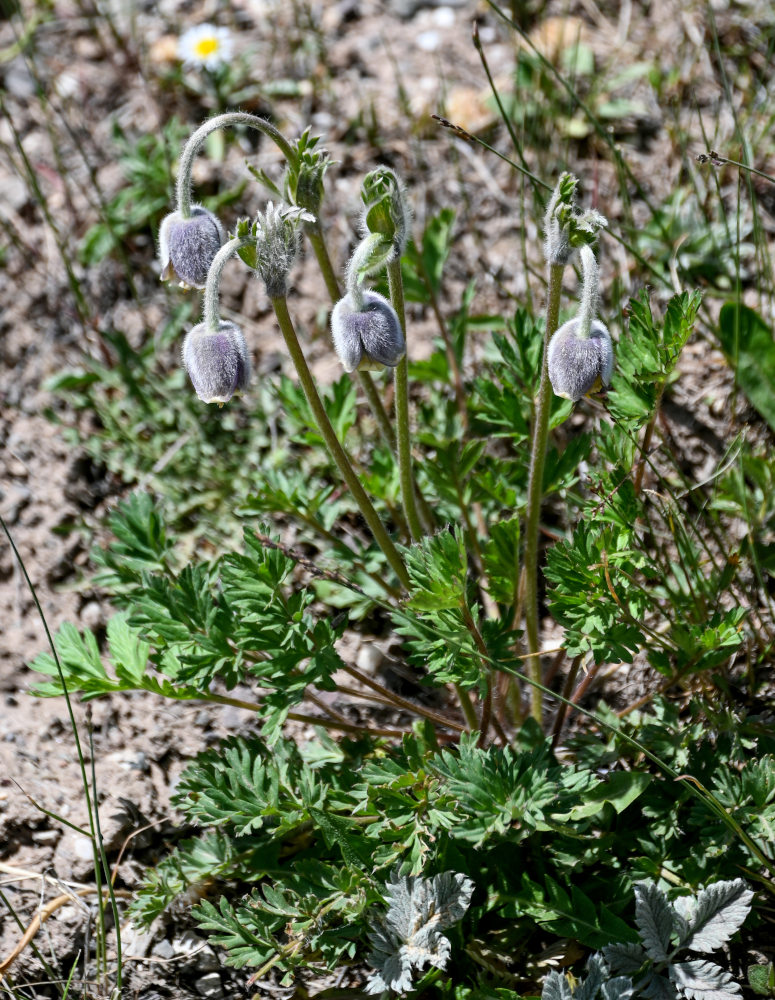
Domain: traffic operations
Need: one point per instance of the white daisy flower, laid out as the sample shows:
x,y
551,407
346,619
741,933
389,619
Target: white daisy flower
x,y
205,46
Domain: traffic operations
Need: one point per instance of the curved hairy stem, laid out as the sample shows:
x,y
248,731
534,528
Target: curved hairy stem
x,y
211,313
194,144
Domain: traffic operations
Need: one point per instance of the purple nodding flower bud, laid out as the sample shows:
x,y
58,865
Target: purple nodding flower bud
x,y
369,336
217,361
187,246
578,365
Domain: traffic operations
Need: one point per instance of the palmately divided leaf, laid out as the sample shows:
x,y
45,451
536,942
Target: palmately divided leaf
x,y
409,936
653,917
716,913
701,980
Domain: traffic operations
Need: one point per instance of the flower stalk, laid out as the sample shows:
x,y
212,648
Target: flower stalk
x,y
280,306
535,493
370,391
194,144
211,313
406,475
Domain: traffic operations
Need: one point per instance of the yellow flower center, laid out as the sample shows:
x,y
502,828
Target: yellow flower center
x,y
206,47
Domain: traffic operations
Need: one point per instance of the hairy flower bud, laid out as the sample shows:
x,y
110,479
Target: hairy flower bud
x,y
578,365
386,208
278,239
369,336
217,361
187,246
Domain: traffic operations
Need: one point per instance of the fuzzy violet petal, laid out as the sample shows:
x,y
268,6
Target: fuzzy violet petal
x,y
187,246
217,361
579,365
368,336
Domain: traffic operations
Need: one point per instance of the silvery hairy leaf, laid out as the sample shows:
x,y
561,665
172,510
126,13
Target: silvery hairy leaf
x,y
556,987
625,959
654,920
701,980
714,914
409,936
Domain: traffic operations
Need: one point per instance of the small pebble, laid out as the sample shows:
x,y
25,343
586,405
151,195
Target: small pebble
x,y
129,760
209,985
46,836
163,949
81,847
428,41
91,615
369,658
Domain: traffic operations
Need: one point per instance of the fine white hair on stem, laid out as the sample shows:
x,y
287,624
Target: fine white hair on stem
x,y
589,288
211,313
359,263
196,140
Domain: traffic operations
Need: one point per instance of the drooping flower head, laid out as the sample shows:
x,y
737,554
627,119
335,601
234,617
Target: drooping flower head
x,y
217,361
187,247
205,46
367,334
580,356
579,365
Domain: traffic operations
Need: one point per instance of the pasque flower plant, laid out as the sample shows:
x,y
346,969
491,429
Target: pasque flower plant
x,y
453,796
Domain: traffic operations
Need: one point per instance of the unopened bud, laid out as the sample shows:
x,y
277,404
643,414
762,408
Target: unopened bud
x,y
578,365
277,243
187,247
566,227
217,361
386,208
369,336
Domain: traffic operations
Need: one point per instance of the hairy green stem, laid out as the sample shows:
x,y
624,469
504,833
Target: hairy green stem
x,y
332,442
396,284
370,391
487,717
588,309
194,144
211,313
397,701
535,494
100,847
